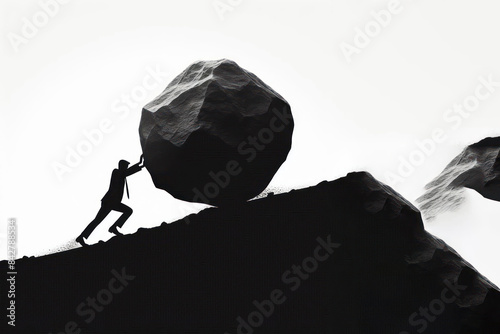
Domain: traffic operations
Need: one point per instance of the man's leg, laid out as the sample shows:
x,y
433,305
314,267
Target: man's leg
x,y
127,212
103,212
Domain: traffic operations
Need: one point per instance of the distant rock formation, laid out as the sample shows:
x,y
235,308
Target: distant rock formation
x,y
347,256
477,167
217,134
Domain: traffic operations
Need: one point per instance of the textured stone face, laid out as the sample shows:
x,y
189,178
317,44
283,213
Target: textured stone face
x,y
477,168
217,134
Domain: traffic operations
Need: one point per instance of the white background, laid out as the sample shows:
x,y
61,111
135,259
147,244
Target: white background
x,y
362,114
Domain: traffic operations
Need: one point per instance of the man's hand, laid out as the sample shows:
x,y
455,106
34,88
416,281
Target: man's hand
x,y
141,161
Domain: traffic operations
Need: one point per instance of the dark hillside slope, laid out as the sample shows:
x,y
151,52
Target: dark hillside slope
x,y
366,266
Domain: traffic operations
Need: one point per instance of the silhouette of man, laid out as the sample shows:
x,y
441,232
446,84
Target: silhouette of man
x,y
112,200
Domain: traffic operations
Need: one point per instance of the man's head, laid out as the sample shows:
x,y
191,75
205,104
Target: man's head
x,y
123,164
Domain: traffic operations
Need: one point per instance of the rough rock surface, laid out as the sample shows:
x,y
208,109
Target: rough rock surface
x,y
366,266
217,134
477,168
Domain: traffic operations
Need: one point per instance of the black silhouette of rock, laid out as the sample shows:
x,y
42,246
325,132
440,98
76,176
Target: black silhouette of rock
x,y
477,168
217,134
366,266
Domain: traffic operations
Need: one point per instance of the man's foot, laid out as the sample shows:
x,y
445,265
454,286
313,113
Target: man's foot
x,y
81,241
114,229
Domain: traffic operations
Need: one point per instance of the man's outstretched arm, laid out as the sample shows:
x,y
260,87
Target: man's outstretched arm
x,y
135,168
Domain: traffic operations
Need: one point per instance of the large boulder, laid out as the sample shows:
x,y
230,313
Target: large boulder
x,y
217,134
